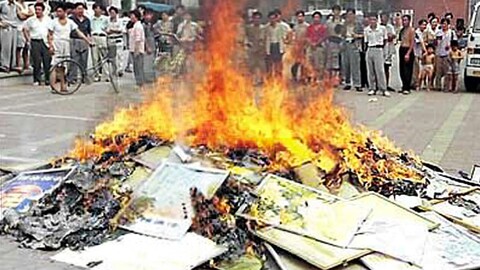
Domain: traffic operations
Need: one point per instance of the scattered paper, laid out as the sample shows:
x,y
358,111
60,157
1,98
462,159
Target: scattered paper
x,y
385,209
450,247
167,209
321,255
133,251
464,214
184,157
306,211
475,176
378,261
407,201
403,241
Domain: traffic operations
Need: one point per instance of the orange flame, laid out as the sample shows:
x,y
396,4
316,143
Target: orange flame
x,y
225,110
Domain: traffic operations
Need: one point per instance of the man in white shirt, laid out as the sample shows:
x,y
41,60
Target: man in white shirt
x,y
99,36
389,50
376,36
444,37
59,44
36,34
276,36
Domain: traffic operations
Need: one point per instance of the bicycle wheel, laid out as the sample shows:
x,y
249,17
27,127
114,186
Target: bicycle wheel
x,y
111,69
63,81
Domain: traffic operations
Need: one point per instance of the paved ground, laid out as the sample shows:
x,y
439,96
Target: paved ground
x,y
36,126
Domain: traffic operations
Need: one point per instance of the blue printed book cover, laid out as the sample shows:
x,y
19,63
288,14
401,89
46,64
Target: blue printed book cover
x,y
20,192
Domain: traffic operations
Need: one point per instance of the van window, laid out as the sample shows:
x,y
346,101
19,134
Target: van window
x,y
476,25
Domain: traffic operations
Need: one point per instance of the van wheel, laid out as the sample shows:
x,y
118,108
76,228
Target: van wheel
x,y
471,83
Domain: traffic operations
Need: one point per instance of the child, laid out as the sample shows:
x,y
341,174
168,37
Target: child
x,y
455,56
427,66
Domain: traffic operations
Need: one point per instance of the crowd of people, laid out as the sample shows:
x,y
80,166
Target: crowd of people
x,y
47,36
359,50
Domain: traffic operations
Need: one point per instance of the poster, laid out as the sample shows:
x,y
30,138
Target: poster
x,y
167,210
133,251
305,211
20,192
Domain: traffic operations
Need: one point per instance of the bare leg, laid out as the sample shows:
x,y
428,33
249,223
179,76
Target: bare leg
x,y
455,83
429,79
53,78
420,79
26,58
447,84
18,53
61,73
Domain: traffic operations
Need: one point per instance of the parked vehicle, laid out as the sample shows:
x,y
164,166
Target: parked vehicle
x,y
472,59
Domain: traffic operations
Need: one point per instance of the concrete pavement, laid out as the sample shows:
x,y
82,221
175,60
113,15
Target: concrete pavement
x,y
36,126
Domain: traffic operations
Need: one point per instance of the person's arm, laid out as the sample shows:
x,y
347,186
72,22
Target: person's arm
x,y
139,37
26,33
365,37
424,46
385,36
83,36
412,43
50,41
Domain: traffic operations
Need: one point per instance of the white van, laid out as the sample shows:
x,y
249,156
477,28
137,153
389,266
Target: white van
x,y
472,60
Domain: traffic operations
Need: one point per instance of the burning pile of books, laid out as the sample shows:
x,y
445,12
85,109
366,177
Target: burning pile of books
x,y
162,206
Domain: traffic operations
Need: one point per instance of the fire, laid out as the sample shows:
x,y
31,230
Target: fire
x,y
225,111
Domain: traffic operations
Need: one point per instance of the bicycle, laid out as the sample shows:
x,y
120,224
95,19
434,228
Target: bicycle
x,y
171,56
60,73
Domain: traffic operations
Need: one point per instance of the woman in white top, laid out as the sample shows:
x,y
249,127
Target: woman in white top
x,y
23,13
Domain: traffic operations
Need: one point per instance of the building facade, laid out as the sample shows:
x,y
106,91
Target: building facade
x,y
459,8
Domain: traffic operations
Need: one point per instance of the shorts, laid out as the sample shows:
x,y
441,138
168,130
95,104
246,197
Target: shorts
x,y
428,67
21,41
61,51
256,61
454,68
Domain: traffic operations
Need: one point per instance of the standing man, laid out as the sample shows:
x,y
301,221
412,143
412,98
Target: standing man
x,y
188,33
115,40
255,43
317,34
137,47
363,55
275,36
178,17
407,58
59,34
422,39
36,34
389,50
444,37
99,36
8,32
79,47
375,37
150,48
300,40
351,55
